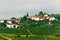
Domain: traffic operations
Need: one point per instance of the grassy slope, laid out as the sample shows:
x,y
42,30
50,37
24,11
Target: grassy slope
x,y
12,32
27,38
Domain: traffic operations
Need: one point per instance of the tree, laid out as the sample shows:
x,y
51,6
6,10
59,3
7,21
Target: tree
x,y
5,22
27,14
53,15
23,19
13,18
45,13
40,13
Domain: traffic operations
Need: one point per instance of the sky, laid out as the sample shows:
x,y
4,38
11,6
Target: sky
x,y
17,8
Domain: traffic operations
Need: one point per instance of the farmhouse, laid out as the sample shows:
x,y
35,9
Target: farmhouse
x,y
10,23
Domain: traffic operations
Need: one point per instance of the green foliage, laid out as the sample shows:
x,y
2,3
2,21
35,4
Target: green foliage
x,y
58,17
13,18
23,19
2,25
13,31
45,13
40,13
27,14
5,22
40,28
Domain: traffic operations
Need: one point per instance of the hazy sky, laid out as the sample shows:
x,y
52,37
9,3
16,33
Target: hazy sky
x,y
10,8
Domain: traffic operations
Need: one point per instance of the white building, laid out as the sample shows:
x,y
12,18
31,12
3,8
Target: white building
x,y
37,18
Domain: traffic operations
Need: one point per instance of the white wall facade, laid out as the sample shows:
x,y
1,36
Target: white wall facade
x,y
11,26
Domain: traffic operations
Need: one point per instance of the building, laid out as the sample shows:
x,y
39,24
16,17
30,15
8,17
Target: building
x,y
34,17
10,23
37,18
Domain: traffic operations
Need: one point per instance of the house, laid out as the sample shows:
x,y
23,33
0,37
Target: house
x,y
34,17
10,23
12,26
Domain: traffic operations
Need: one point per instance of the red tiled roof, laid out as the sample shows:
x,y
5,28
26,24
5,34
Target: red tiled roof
x,y
33,16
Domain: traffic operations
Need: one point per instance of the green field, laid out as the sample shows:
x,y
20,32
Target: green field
x,y
34,31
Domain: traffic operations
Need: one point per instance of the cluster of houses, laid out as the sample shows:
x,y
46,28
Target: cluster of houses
x,y
10,24
37,18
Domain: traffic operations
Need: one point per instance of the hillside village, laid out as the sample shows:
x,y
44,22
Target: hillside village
x,y
14,22
29,19
43,26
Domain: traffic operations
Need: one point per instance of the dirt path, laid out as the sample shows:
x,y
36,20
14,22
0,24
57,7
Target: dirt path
x,y
5,37
29,31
